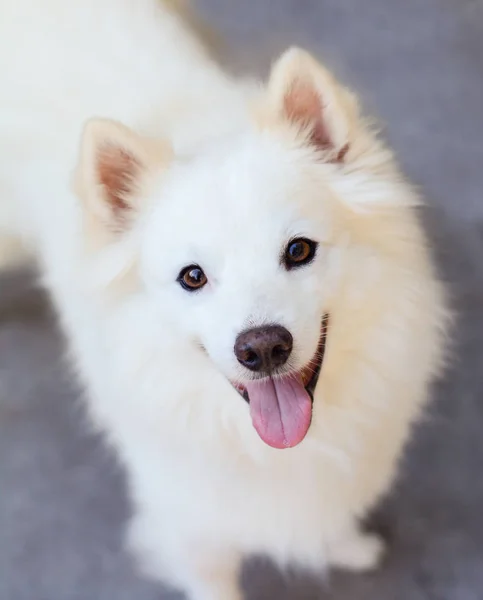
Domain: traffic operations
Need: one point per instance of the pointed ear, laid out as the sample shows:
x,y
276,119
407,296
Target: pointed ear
x,y
306,94
113,172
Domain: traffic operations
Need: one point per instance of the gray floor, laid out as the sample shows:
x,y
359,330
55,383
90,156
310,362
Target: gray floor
x,y
419,66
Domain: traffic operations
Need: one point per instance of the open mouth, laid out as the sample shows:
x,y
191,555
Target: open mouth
x,y
281,406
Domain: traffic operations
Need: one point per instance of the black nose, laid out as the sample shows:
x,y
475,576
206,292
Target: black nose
x,y
263,349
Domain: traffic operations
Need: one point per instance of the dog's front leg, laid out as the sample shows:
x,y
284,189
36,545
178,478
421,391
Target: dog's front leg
x,y
204,570
356,550
213,575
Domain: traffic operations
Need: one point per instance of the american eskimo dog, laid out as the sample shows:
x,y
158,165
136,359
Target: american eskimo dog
x,y
241,275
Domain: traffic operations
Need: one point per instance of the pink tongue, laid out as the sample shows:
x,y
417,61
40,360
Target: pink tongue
x,y
281,410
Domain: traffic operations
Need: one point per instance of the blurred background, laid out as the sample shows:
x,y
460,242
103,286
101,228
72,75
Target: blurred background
x,y
418,65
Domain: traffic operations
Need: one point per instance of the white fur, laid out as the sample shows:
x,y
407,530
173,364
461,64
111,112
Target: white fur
x,y
229,183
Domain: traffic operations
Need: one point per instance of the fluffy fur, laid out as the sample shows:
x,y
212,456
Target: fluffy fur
x,y
221,172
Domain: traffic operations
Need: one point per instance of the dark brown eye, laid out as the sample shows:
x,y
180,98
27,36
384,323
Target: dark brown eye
x,y
299,252
192,278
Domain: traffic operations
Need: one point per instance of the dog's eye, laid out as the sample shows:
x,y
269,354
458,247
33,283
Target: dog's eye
x,y
192,278
299,252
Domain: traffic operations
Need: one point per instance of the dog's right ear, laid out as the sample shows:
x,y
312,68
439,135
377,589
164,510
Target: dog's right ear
x,y
113,172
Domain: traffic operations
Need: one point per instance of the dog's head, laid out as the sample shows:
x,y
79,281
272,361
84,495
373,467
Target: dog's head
x,y
244,244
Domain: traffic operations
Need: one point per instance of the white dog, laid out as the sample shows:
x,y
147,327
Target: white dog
x,y
241,276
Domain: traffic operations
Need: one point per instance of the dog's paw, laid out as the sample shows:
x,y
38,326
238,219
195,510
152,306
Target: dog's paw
x,y
361,552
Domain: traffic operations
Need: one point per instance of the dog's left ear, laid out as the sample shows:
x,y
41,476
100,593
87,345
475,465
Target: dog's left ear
x,y
113,172
305,93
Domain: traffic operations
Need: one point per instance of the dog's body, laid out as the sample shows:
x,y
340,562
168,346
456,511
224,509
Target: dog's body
x,y
232,173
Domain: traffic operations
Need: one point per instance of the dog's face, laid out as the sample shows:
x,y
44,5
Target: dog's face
x,y
241,254
241,245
